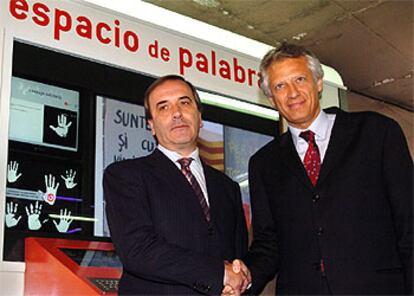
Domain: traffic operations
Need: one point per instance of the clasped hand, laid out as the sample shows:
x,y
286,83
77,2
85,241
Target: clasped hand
x,y
237,278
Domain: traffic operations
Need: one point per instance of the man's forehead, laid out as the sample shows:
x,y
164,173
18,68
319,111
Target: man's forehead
x,y
173,89
289,65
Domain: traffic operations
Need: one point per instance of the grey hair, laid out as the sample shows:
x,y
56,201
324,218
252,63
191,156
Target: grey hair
x,y
284,51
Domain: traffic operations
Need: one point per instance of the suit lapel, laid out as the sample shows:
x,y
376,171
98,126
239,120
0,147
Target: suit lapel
x,y
341,137
291,159
164,168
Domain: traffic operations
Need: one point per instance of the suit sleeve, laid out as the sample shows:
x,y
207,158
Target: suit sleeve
x,y
241,239
262,258
142,251
398,175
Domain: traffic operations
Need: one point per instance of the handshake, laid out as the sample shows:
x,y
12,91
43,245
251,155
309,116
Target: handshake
x,y
237,278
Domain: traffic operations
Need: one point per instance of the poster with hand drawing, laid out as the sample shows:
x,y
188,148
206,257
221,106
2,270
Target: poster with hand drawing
x,y
43,196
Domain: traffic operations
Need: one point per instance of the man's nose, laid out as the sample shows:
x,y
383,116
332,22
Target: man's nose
x,y
292,91
176,111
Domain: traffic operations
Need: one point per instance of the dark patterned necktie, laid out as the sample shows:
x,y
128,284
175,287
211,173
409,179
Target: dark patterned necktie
x,y
312,160
185,169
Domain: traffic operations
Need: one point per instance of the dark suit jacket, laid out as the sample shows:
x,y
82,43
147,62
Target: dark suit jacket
x,y
358,218
158,227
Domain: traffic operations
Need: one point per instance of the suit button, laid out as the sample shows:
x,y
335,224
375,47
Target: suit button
x,y
317,266
210,231
319,231
315,198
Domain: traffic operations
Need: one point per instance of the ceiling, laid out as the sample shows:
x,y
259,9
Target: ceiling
x,y
369,42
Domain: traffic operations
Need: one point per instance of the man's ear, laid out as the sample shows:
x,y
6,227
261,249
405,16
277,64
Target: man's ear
x,y
320,85
151,124
200,119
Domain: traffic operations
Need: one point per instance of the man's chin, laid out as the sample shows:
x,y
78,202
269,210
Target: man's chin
x,y
296,121
183,140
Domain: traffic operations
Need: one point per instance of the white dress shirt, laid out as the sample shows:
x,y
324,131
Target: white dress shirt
x,y
322,127
196,166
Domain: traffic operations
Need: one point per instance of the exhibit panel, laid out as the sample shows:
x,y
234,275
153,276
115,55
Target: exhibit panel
x,y
44,173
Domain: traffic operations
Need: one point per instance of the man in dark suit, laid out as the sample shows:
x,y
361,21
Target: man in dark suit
x,y
175,221
332,198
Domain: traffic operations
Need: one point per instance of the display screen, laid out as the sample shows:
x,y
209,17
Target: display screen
x,y
43,197
93,258
44,186
43,114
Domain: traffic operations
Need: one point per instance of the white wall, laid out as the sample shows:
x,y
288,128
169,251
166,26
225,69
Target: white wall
x,y
11,279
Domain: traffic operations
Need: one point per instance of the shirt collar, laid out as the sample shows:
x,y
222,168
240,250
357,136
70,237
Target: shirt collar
x,y
174,156
319,126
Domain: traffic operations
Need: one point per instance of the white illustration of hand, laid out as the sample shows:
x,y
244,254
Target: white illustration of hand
x,y
11,215
12,175
51,189
70,179
64,221
33,216
62,129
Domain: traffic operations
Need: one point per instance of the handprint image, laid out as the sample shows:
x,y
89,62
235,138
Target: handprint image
x,y
63,127
12,175
70,179
64,221
51,189
11,212
33,215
